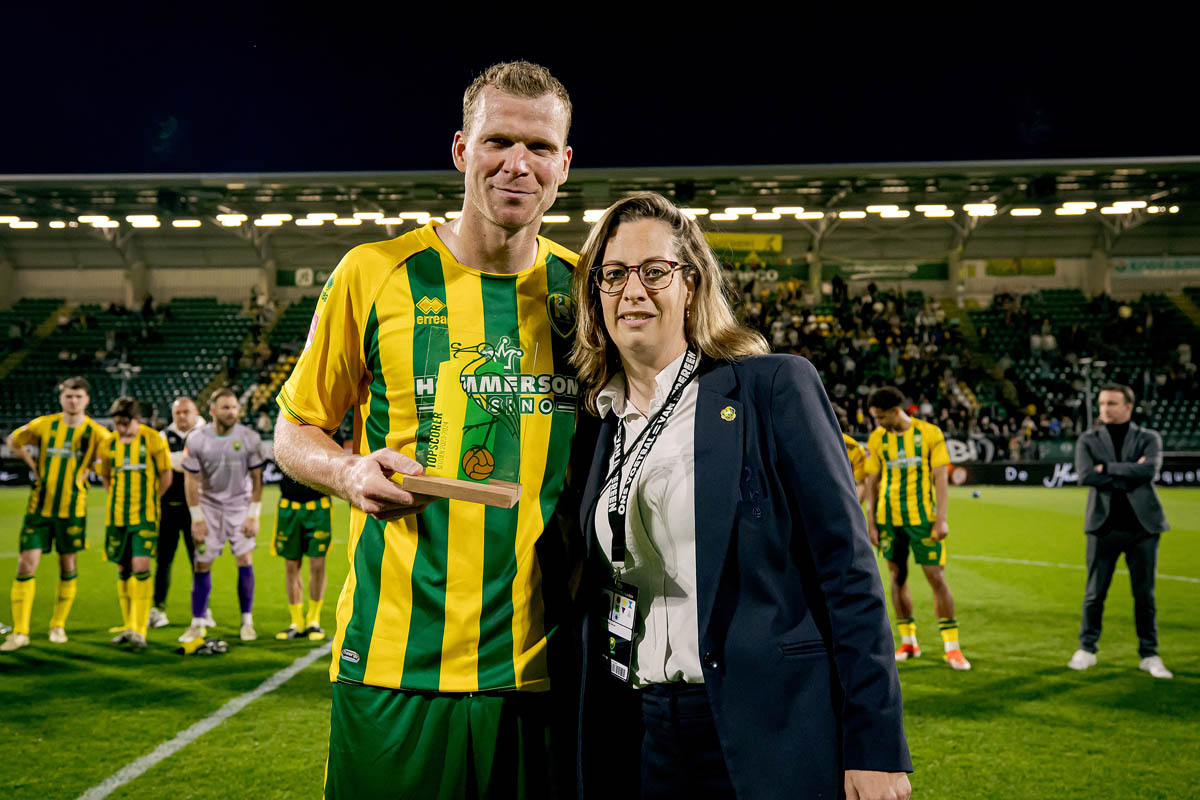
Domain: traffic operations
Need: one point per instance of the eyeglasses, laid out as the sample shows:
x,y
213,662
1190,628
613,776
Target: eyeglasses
x,y
655,274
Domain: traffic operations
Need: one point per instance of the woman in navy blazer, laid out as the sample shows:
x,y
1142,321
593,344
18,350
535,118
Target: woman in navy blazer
x,y
788,687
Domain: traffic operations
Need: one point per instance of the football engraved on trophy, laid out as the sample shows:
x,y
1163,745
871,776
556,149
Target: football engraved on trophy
x,y
478,462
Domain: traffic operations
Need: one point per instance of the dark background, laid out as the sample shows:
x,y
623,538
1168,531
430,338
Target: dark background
x,y
264,88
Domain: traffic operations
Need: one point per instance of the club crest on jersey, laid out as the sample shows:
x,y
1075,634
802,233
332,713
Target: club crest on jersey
x,y
237,445
325,291
431,309
560,308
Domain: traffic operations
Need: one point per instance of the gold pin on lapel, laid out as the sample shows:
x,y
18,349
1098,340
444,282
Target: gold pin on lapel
x,y
728,414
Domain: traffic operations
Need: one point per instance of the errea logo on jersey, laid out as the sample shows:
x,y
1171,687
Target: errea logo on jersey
x,y
431,309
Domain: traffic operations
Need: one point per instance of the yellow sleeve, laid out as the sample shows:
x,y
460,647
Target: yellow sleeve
x,y
325,382
874,460
30,433
103,459
102,439
939,456
854,452
158,452
858,462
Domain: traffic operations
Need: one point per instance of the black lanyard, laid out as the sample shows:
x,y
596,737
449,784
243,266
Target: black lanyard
x,y
618,498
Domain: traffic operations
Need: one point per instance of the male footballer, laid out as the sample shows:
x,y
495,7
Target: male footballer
x,y
441,662
223,464
303,527
176,521
907,464
135,465
56,516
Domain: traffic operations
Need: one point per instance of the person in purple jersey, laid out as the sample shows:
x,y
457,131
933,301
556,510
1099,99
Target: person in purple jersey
x,y
223,483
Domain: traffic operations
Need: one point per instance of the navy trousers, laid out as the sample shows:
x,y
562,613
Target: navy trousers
x,y
1141,557
681,754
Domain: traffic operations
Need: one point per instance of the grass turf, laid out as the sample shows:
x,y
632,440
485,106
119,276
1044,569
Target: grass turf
x,y
1018,725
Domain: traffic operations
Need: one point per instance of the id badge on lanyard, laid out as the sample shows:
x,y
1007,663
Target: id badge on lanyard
x,y
621,596
622,618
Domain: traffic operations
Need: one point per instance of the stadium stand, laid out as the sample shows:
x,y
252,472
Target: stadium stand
x,y
177,349
1015,372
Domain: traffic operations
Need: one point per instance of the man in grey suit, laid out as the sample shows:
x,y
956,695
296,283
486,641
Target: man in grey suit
x,y
1117,461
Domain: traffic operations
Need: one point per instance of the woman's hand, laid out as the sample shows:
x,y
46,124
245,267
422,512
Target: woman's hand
x,y
864,784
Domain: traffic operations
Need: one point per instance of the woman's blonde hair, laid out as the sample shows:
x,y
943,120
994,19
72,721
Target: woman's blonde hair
x,y
710,323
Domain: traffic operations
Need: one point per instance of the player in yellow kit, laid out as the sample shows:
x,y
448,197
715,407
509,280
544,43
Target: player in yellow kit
x,y
55,518
907,464
451,343
135,465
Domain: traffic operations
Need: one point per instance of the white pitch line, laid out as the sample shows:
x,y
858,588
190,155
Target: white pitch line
x,y
135,768
999,560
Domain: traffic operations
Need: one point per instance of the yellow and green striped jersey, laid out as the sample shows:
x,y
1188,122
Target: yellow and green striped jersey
x,y
905,462
854,451
132,469
64,457
429,351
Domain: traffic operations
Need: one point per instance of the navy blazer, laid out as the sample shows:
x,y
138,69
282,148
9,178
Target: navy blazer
x,y
795,643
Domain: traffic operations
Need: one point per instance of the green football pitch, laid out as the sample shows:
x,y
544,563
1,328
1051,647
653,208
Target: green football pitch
x,y
1018,725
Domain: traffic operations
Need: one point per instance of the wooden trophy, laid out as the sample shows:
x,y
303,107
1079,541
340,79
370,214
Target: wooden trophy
x,y
473,452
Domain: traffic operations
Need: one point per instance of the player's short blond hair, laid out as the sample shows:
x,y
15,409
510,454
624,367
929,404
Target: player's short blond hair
x,y
519,78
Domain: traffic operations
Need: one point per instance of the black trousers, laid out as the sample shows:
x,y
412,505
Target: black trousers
x,y
176,520
681,754
1104,549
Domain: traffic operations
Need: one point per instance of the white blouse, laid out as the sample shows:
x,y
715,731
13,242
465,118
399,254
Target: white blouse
x,y
660,532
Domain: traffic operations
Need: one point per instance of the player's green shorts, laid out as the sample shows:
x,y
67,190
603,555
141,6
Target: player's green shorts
x,y
896,540
415,745
67,535
303,529
133,541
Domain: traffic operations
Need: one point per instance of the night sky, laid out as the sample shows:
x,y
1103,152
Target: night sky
x,y
219,88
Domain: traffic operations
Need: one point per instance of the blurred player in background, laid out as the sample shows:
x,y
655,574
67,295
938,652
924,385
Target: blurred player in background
x,y
175,521
56,516
135,465
303,528
223,463
907,462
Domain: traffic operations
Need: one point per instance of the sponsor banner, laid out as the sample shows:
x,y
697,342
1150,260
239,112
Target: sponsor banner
x,y
1176,471
745,242
886,270
1156,264
304,276
1007,267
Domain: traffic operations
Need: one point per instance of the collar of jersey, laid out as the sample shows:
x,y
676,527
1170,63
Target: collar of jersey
x,y
430,237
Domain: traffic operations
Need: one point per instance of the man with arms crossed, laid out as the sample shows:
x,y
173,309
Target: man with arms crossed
x,y
441,662
907,461
135,466
56,516
1117,462
223,463
176,522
